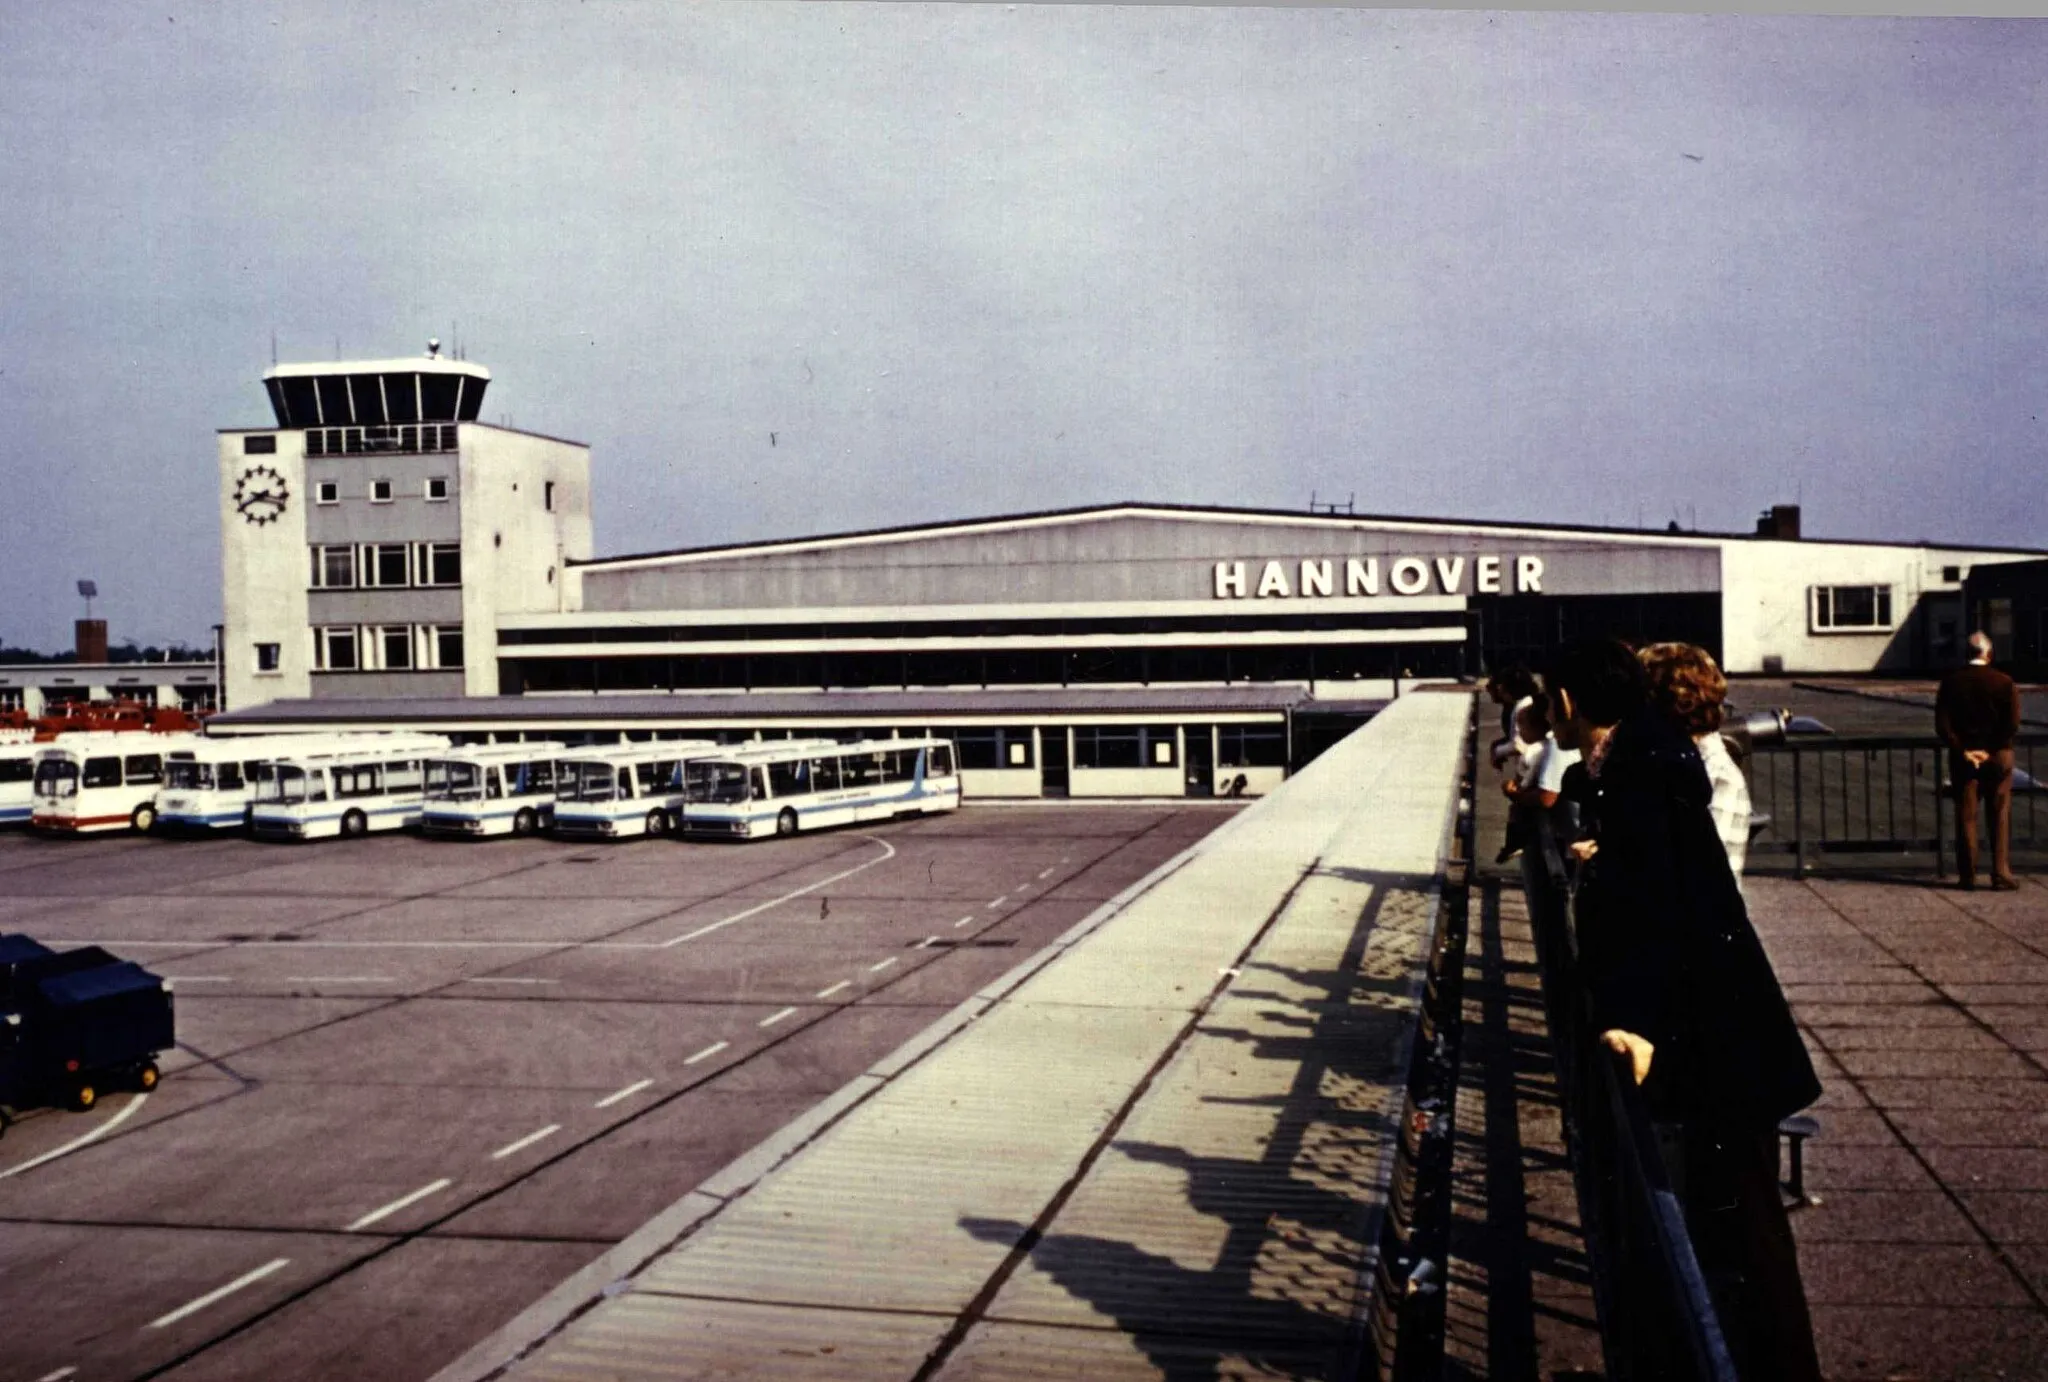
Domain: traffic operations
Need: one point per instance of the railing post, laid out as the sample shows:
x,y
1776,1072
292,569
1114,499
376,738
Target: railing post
x,y
1940,820
1798,814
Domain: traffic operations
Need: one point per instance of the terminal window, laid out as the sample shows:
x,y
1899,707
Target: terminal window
x,y
397,648
1125,746
448,647
437,488
380,491
1251,746
335,649
327,492
266,657
334,568
1851,607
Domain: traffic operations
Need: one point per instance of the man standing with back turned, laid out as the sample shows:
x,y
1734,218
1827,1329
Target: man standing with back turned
x,y
1977,713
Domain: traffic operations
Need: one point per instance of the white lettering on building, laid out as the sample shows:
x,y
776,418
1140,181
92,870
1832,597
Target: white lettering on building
x,y
1405,576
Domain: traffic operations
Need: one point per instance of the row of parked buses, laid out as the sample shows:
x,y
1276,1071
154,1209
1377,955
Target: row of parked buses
x,y
314,786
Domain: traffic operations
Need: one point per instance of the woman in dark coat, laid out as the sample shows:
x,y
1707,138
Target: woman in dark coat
x,y
1678,979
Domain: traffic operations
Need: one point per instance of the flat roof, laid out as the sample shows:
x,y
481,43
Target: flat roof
x,y
412,364
779,705
1683,536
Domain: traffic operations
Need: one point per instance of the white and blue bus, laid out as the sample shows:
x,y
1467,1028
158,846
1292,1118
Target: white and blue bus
x,y
784,788
17,780
102,780
212,787
624,791
346,786
496,789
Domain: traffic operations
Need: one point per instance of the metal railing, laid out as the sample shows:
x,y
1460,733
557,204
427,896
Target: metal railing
x,y
1874,798
1657,1319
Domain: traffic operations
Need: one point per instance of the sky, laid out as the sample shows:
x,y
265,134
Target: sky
x,y
792,269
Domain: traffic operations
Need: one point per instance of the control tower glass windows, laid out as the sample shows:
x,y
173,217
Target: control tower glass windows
x,y
335,406
383,439
401,398
438,395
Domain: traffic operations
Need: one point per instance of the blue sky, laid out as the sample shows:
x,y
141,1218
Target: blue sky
x,y
978,259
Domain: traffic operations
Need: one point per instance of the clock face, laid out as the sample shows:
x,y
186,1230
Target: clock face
x,y
260,494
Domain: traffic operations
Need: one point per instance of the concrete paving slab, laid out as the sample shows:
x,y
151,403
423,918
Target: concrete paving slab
x,y
642,1337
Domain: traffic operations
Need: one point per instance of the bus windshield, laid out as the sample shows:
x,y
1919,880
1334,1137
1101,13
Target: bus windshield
x,y
454,781
280,782
587,782
187,776
708,781
56,777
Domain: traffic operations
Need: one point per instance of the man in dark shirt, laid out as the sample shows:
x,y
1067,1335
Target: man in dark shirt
x,y
1977,713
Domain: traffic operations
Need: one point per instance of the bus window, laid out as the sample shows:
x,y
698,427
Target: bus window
x,y
403,776
144,768
56,777
17,769
825,774
102,772
229,776
494,784
860,769
897,765
186,776
788,779
940,761
758,785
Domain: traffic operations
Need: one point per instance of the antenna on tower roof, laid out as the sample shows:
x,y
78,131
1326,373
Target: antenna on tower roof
x,y
433,347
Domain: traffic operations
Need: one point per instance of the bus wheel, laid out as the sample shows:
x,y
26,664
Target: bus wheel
x,y
785,824
353,824
144,817
147,1076
83,1097
526,822
657,823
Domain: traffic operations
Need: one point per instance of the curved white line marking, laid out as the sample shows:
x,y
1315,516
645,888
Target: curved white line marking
x,y
760,907
95,1135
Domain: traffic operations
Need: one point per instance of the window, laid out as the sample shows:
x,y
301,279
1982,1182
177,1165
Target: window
x,y
789,779
397,648
102,772
358,780
440,563
1251,746
1124,746
144,768
406,775
437,489
1851,608
547,493
17,769
334,568
266,657
380,491
939,762
1952,574
259,446
993,748
326,492
447,642
387,564
334,650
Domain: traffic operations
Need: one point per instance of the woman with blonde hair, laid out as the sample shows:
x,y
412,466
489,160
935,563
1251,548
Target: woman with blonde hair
x,y
1688,686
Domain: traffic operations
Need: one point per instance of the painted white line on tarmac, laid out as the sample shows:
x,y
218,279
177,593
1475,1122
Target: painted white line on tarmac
x,y
1047,872
336,979
275,1264
58,1376
758,908
962,922
927,943
616,1095
95,1135
878,968
386,1211
708,1052
773,1018
511,981
999,902
828,992
527,1141
197,979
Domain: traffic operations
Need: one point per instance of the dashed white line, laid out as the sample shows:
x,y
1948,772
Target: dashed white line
x,y
58,1376
95,1135
527,1141
708,1052
773,1018
275,1264
628,1092
962,922
197,979
336,979
828,992
487,980
999,902
383,1212
1047,872
737,917
928,942
878,968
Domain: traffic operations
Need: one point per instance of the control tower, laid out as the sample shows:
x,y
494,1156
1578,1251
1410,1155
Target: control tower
x,y
372,537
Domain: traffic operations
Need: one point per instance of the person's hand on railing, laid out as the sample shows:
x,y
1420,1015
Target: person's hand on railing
x,y
1582,850
1638,1051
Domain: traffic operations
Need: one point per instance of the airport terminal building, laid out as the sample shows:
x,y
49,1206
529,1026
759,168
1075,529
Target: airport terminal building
x,y
410,562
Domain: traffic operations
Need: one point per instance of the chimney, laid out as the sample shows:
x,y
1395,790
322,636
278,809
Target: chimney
x,y
1780,521
92,640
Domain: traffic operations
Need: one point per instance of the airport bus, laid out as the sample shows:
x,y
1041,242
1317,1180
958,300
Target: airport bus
x,y
17,781
101,780
496,789
346,786
785,788
625,790
212,787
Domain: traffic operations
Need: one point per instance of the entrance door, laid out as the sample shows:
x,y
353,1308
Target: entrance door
x,y
1052,761
1201,760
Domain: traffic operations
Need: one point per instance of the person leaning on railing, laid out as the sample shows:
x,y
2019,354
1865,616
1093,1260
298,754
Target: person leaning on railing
x,y
1686,684
1678,982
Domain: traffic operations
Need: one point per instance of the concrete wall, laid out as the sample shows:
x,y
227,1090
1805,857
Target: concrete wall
x,y
342,686
264,574
1133,557
513,546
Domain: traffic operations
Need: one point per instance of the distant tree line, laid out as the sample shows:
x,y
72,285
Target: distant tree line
x,y
123,652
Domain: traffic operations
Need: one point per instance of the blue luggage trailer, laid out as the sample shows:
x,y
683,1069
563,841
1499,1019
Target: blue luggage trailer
x,y
76,1023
